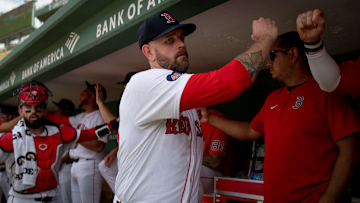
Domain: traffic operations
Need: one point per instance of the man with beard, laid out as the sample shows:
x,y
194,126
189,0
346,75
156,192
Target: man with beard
x,y
36,148
85,176
160,138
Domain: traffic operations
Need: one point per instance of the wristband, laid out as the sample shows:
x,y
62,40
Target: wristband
x,y
102,130
311,47
114,124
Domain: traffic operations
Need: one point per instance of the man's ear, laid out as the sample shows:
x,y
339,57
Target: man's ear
x,y
148,52
294,54
20,110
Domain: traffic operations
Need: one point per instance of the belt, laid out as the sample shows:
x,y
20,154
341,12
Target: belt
x,y
2,169
44,199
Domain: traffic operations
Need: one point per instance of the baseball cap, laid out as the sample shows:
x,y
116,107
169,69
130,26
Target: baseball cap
x,y
93,90
159,25
65,105
127,78
32,92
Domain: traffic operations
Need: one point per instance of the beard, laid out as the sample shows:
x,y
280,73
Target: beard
x,y
34,124
83,102
177,66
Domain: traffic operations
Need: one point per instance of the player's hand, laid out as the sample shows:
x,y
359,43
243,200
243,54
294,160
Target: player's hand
x,y
99,94
66,159
204,114
311,25
264,28
109,158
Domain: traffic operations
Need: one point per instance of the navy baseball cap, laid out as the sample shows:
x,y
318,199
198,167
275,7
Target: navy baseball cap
x,y
159,25
65,105
93,90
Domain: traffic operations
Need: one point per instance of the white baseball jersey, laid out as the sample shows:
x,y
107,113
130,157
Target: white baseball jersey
x,y
160,149
86,121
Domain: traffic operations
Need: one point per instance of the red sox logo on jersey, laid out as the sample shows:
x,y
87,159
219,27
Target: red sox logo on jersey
x,y
182,126
173,76
168,17
298,103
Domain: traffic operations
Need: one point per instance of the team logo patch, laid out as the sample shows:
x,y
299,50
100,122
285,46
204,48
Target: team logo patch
x,y
173,76
168,17
298,103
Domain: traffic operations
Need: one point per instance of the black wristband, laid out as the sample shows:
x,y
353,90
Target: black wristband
x,y
102,130
307,50
114,124
312,43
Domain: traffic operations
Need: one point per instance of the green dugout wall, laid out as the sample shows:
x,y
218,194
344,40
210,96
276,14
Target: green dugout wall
x,y
81,32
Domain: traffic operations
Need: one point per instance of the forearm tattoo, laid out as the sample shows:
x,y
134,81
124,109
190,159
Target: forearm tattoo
x,y
253,62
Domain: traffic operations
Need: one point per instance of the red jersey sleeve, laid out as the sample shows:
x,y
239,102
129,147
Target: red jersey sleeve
x,y
214,87
6,142
350,78
342,117
94,134
68,133
57,119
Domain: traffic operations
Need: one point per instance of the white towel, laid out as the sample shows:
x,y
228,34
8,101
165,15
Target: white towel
x,y
26,169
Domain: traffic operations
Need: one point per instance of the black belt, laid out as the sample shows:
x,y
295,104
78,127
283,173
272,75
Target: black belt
x,y
44,199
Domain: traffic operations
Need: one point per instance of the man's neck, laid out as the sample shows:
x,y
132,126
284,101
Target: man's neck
x,y
297,78
37,131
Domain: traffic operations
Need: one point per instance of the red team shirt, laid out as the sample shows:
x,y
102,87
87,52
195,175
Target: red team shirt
x,y
350,78
301,127
216,141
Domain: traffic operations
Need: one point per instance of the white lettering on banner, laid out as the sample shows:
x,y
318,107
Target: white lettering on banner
x,y
131,10
42,63
7,83
120,17
4,85
112,22
134,9
104,30
150,3
139,6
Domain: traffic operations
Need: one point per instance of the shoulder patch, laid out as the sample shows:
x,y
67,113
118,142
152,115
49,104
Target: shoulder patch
x,y
173,76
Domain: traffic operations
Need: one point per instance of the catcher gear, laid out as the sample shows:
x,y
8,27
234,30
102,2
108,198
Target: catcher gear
x,y
32,93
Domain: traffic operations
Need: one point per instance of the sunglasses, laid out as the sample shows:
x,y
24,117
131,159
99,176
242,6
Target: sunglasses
x,y
273,53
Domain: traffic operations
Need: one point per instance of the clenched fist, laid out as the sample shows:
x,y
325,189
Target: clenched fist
x,y
310,25
264,28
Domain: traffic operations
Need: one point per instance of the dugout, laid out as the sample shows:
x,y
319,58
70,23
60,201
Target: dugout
x,y
96,41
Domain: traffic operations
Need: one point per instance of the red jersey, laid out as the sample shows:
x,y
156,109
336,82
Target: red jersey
x,y
216,140
350,78
301,127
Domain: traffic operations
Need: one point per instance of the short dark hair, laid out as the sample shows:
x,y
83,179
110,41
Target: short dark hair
x,y
292,39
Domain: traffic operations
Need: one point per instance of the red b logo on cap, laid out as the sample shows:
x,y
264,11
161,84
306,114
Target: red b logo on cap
x,y
168,17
